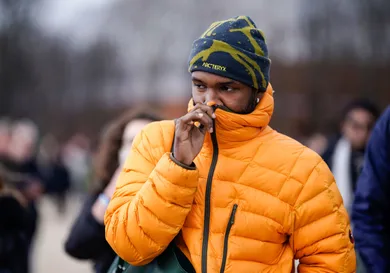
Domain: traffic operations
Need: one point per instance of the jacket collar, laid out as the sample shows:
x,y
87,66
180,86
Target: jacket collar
x,y
236,128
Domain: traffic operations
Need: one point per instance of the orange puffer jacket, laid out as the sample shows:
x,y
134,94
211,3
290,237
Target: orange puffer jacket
x,y
256,201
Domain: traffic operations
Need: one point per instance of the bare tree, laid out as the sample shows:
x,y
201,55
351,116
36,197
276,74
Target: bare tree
x,y
351,33
15,69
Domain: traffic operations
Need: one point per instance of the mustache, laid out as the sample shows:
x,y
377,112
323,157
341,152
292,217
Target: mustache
x,y
247,110
215,106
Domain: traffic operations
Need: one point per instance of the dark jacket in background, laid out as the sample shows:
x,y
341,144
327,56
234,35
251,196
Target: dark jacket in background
x,y
21,173
371,209
55,178
14,243
87,239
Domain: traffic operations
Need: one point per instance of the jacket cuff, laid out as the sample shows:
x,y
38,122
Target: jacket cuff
x,y
191,167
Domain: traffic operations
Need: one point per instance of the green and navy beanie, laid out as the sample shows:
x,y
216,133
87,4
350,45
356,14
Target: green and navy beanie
x,y
234,49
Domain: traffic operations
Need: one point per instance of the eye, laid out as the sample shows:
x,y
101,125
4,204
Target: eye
x,y
199,86
227,88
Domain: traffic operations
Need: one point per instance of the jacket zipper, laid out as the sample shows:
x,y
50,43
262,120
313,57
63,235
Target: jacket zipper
x,y
226,240
208,199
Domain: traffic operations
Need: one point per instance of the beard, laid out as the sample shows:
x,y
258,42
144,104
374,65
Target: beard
x,y
251,105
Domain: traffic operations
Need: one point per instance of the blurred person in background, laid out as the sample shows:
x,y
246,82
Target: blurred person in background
x,y
345,152
76,156
87,239
13,223
5,136
371,208
220,190
317,142
53,172
21,169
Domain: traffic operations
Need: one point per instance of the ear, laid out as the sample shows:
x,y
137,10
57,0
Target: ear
x,y
259,96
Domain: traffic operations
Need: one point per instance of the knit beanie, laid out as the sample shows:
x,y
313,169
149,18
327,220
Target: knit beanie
x,y
234,49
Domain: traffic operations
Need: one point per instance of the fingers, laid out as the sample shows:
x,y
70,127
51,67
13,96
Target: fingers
x,y
198,116
202,118
204,108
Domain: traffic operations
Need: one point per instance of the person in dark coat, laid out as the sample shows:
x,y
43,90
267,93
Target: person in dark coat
x,y
18,164
55,175
86,239
371,207
345,152
14,245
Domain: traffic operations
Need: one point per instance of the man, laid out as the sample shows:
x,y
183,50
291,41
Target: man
x,y
20,169
345,154
371,206
234,195
13,243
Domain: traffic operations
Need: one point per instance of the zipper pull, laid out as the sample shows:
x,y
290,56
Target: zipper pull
x,y
233,214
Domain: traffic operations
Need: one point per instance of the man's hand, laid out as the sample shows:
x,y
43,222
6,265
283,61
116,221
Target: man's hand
x,y
189,138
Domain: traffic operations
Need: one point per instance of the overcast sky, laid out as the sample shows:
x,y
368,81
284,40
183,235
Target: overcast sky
x,y
85,20
146,33
79,19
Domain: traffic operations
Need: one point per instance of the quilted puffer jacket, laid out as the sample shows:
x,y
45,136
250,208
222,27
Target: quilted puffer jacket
x,y
255,201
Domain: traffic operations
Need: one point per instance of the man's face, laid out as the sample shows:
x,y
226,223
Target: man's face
x,y
238,97
22,142
21,148
357,127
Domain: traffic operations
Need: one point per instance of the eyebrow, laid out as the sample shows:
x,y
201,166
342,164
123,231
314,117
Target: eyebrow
x,y
197,80
219,83
227,83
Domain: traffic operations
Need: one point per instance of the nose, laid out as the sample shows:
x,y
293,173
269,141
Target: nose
x,y
212,96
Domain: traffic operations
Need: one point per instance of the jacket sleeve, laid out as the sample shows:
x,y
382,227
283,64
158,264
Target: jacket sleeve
x,y
86,239
370,210
152,199
321,238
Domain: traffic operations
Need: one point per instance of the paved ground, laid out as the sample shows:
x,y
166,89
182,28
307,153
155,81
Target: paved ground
x,y
49,255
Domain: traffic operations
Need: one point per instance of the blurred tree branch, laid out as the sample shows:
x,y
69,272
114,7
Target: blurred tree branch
x,y
354,32
41,74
